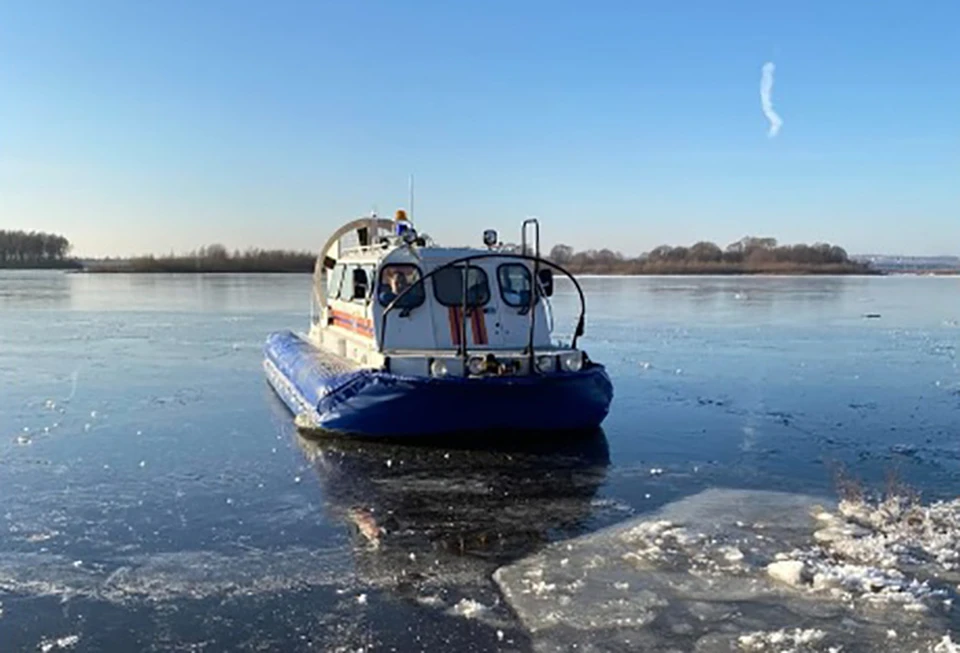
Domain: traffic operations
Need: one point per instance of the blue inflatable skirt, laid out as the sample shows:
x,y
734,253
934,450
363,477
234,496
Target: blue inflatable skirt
x,y
327,395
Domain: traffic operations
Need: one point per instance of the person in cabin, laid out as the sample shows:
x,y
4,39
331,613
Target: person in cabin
x,y
396,284
399,282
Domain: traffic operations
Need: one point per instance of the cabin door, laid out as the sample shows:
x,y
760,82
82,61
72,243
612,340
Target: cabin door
x,y
512,324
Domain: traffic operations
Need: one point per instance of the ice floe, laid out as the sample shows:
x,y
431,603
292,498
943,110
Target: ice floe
x,y
732,570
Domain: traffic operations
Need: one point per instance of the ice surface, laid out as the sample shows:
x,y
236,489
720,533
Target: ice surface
x,y
171,576
695,576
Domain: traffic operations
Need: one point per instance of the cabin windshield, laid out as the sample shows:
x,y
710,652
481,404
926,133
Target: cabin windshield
x,y
448,286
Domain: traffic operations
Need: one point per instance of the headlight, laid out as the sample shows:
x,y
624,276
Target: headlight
x,y
546,364
476,366
438,368
572,362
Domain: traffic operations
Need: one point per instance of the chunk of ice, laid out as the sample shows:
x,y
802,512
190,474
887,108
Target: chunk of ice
x,y
469,608
789,572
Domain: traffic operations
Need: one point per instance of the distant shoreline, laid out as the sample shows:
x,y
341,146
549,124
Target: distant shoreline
x,y
579,273
783,270
749,256
51,265
585,273
190,271
734,271
208,260
267,262
876,273
118,267
808,272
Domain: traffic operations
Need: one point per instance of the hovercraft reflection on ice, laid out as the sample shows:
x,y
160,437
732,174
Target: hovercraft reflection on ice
x,y
408,338
451,516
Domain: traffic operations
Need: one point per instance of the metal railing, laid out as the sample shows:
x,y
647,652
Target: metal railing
x,y
464,262
536,277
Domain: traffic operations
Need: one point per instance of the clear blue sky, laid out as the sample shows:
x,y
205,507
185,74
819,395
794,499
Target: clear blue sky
x,y
150,126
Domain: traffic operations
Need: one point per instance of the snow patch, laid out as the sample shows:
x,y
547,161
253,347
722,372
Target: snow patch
x,y
780,640
886,551
431,601
67,642
946,645
469,608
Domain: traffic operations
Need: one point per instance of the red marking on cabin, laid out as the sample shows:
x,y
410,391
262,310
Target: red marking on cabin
x,y
453,313
478,325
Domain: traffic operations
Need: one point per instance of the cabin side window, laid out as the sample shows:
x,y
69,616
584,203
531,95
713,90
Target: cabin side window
x,y
394,279
448,286
515,284
356,285
334,282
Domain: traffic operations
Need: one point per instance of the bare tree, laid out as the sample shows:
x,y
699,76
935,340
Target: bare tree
x,y
33,249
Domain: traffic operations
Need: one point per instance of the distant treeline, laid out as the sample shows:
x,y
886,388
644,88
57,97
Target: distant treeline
x,y
20,249
746,256
212,258
749,255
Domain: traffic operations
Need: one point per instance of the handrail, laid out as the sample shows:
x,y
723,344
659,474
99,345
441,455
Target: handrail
x,y
534,283
465,261
464,278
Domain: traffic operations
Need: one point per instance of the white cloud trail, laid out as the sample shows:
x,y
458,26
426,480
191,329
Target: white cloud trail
x,y
766,99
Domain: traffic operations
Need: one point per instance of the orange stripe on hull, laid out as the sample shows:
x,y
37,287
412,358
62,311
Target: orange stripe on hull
x,y
359,325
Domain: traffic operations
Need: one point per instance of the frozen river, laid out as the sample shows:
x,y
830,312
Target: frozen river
x,y
155,497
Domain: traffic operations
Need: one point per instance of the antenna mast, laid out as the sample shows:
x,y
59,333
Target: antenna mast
x,y
411,197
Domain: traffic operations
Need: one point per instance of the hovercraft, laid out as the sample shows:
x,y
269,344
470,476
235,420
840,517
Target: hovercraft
x,y
408,338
